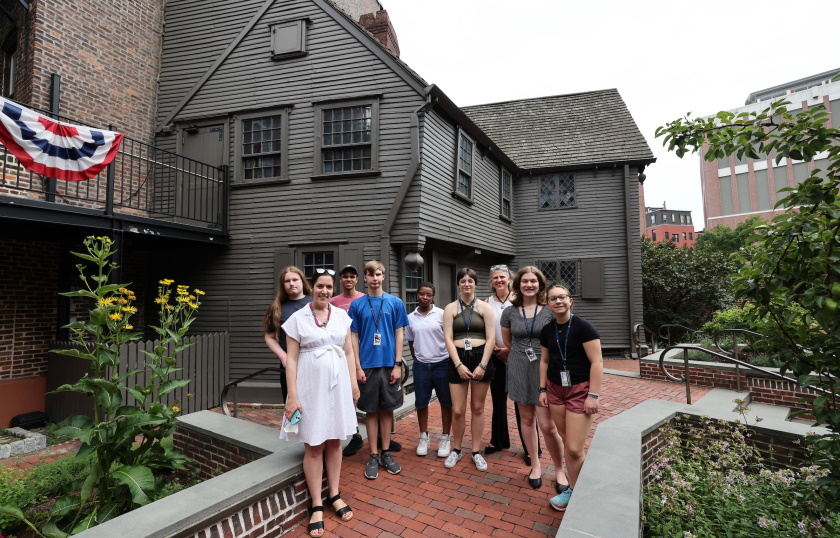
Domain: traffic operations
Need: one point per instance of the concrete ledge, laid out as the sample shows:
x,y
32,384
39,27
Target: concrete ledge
x,y
28,442
622,373
610,483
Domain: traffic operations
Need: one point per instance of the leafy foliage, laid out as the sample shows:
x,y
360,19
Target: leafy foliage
x,y
121,474
722,238
683,285
709,480
790,269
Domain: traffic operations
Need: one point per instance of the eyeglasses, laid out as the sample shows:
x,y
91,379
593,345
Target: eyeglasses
x,y
558,298
322,270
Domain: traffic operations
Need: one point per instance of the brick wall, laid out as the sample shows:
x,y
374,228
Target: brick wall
x,y
28,304
212,455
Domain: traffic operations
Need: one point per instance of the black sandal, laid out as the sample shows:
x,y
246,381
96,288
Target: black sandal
x,y
318,525
340,512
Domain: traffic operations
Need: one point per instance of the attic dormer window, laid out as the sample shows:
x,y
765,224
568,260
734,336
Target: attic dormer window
x,y
288,39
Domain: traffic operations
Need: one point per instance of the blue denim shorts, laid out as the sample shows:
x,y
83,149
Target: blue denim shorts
x,y
428,376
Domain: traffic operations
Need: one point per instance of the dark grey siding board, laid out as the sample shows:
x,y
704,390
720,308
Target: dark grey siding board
x,y
446,218
595,229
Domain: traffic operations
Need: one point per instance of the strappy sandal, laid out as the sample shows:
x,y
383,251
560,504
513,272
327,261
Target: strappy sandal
x,y
318,525
341,512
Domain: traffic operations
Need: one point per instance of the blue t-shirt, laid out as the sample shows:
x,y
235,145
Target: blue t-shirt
x,y
389,311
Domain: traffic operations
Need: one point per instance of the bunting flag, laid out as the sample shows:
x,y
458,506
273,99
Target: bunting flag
x,y
55,149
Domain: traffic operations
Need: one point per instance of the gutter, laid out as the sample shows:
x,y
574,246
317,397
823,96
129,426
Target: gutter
x,y
408,178
628,211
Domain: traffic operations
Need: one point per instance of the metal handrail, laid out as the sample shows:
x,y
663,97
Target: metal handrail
x,y
666,334
235,383
698,347
637,339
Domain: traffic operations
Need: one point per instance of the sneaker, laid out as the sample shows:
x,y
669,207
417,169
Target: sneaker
x,y
480,464
423,444
560,502
443,447
372,467
354,445
388,462
452,459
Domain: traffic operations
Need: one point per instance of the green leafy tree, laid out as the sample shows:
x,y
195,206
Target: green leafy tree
x,y
790,270
683,285
722,238
123,440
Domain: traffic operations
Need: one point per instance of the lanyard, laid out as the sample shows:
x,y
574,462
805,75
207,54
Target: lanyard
x,y
533,322
472,309
315,318
375,317
563,349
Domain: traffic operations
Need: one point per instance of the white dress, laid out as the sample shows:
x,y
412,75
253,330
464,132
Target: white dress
x,y
323,379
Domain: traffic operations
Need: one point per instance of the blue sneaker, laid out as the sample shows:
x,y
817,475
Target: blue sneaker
x,y
560,502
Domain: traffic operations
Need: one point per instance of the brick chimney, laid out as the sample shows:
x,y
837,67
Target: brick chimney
x,y
379,24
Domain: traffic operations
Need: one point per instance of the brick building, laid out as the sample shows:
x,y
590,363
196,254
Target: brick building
x,y
734,189
663,224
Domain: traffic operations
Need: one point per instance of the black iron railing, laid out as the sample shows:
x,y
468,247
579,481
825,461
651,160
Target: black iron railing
x,y
142,180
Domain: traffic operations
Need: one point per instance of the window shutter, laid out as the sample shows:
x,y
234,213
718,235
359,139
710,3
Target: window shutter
x,y
592,279
283,257
352,254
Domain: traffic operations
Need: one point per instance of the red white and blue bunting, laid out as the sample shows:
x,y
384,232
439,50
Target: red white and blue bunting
x,y
55,149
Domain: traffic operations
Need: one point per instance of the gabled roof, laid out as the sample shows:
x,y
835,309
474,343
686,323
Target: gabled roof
x,y
570,130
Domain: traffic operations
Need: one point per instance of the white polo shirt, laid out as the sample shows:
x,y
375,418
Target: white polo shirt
x,y
426,334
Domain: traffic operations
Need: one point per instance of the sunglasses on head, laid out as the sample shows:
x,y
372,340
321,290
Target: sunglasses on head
x,y
322,270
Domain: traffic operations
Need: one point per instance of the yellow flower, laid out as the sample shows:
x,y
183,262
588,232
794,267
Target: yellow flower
x,y
129,309
176,408
122,301
106,301
160,300
191,297
198,291
116,317
129,327
193,305
182,299
170,307
182,291
126,291
190,395
166,282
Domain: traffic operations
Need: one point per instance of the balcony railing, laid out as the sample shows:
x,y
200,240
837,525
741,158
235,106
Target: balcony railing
x,y
142,181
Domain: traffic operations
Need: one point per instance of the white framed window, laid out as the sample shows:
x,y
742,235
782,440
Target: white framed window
x,y
347,137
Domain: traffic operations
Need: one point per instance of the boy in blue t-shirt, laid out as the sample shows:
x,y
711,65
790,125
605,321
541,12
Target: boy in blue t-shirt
x,y
377,331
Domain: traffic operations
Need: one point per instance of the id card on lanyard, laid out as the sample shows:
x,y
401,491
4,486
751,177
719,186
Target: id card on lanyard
x,y
565,375
467,323
529,352
377,336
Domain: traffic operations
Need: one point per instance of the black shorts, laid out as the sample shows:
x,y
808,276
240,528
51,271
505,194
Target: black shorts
x,y
471,360
378,393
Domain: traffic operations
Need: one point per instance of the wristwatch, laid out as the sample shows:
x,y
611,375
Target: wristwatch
x,y
398,363
543,389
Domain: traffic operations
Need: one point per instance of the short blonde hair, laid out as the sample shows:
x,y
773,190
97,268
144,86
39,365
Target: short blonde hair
x,y
372,266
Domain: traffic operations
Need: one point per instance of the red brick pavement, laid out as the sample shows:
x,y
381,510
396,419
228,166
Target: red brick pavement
x,y
426,499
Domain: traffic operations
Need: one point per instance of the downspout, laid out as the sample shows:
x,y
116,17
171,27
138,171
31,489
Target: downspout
x,y
628,212
408,179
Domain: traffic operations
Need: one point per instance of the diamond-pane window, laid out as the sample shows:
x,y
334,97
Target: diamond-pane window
x,y
549,270
567,275
262,147
314,260
557,190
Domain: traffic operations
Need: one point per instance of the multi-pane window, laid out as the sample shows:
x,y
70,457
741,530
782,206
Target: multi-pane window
x,y
314,260
347,139
653,219
682,218
413,279
262,147
557,191
688,219
506,194
463,180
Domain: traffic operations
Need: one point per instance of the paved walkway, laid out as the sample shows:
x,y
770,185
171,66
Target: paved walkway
x,y
426,499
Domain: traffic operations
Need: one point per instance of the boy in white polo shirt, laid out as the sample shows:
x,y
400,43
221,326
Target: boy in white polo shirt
x,y
431,368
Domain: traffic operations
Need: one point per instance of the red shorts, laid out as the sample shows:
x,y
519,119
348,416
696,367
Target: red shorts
x,y
572,397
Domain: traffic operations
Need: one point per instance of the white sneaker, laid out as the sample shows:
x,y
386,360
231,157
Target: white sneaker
x,y
480,464
454,457
443,447
423,444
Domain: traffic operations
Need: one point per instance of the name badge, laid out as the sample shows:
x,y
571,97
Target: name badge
x,y
530,354
565,378
377,339
467,344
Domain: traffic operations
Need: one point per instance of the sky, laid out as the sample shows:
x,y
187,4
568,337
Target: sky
x,y
666,58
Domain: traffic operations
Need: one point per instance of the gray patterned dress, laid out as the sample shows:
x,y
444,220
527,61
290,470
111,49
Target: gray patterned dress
x,y
523,376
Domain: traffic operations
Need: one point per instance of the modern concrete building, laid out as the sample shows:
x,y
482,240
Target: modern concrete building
x,y
734,189
663,224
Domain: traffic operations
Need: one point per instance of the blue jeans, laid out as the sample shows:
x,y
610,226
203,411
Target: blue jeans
x,y
428,376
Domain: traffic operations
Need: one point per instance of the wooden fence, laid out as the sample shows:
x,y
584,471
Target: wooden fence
x,y
205,364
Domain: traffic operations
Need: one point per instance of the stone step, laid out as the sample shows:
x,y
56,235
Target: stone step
x,y
765,412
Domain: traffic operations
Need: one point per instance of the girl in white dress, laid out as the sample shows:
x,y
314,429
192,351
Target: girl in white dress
x,y
321,376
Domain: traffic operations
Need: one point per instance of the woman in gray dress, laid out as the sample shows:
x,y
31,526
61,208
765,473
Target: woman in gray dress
x,y
521,325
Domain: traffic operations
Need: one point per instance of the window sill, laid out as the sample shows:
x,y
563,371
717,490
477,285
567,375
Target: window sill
x,y
259,183
460,197
346,175
557,208
506,219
